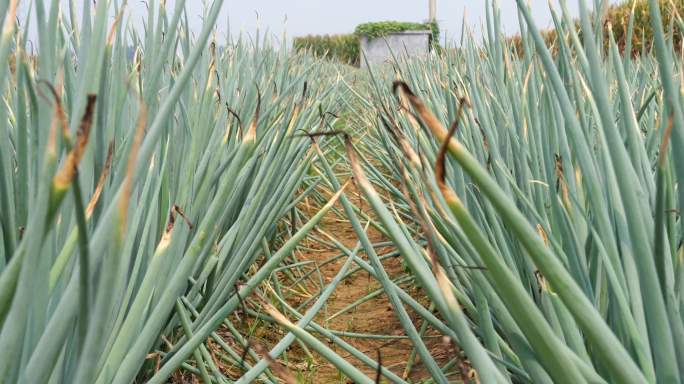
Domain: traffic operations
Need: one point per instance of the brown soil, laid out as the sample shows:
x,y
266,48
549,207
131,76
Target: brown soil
x,y
375,316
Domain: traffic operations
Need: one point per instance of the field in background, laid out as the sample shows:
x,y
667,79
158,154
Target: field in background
x,y
177,208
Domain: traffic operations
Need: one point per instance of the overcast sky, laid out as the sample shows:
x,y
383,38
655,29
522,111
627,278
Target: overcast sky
x,y
330,16
341,16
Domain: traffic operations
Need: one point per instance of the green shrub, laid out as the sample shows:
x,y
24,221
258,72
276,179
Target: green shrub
x,y
384,28
344,48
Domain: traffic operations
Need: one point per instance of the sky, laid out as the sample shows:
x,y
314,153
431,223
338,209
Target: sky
x,y
303,17
332,16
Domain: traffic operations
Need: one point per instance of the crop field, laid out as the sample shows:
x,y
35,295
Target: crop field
x,y
179,207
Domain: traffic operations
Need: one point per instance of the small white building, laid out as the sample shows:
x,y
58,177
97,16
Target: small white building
x,y
396,44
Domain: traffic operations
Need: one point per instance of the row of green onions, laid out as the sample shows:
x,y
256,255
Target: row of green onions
x,y
551,206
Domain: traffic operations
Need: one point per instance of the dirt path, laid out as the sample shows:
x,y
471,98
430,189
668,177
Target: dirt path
x,y
375,316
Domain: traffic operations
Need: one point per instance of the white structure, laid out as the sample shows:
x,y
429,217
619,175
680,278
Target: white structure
x,y
382,49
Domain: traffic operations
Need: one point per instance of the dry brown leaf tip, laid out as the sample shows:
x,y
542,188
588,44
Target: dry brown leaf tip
x,y
65,176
